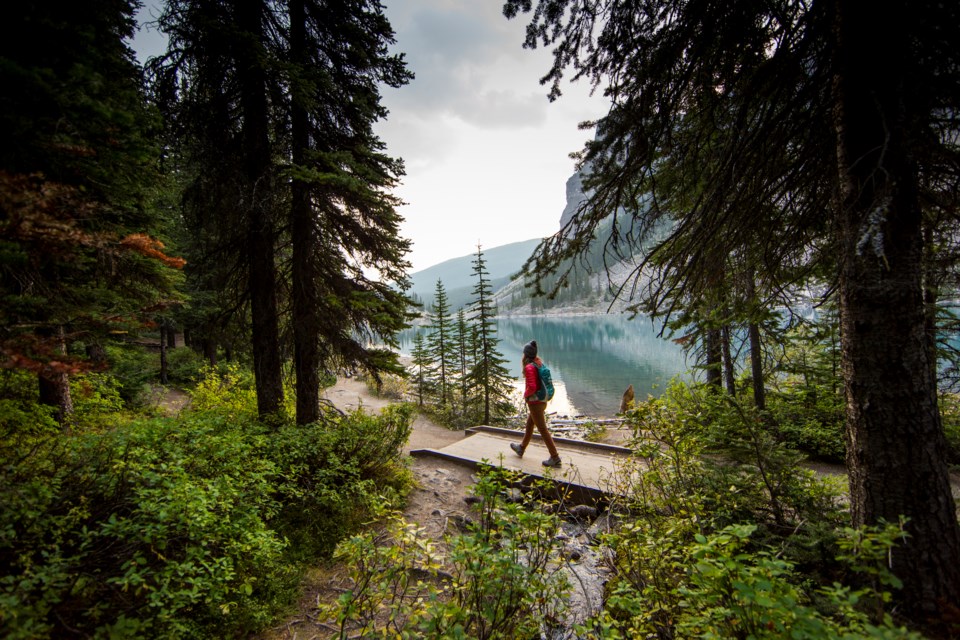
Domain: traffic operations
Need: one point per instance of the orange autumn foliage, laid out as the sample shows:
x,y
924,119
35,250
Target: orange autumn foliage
x,y
150,247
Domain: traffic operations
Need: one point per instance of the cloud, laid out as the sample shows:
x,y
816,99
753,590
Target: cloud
x,y
486,153
468,64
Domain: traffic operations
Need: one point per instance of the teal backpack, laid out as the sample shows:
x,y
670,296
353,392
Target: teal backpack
x,y
546,380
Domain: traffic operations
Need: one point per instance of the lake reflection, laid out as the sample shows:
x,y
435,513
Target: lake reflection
x,y
592,358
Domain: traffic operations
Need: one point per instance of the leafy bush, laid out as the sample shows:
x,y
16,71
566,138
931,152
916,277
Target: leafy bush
x,y
334,474
230,391
134,369
97,401
181,529
185,366
503,579
20,414
950,412
728,537
810,419
594,431
733,591
156,529
391,386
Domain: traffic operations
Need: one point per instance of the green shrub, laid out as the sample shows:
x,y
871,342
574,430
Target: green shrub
x,y
334,474
185,366
97,401
729,538
810,419
950,412
134,368
156,529
230,391
181,528
21,416
503,580
736,591
594,432
391,386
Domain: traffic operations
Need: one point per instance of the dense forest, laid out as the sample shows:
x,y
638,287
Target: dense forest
x,y
222,220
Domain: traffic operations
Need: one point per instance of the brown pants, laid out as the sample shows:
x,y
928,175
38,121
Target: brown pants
x,y
537,416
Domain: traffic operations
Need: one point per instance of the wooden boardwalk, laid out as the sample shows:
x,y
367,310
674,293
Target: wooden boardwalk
x,y
587,469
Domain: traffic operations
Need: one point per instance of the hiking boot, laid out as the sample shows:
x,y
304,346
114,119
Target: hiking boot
x,y
517,449
552,461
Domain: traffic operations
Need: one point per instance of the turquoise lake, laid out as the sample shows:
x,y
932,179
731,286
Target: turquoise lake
x,y
592,358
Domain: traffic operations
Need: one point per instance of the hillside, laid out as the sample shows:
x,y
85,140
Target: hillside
x,y
588,292
457,273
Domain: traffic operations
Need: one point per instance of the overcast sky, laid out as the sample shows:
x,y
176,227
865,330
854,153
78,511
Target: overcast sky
x,y
487,155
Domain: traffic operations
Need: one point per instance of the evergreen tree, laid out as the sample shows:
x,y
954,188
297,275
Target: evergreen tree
x,y
216,90
250,51
421,361
440,342
291,90
80,258
489,375
860,104
343,220
463,359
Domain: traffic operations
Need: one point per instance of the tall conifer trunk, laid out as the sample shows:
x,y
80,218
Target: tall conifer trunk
x,y
714,358
54,388
895,443
306,325
756,348
258,209
728,371
163,353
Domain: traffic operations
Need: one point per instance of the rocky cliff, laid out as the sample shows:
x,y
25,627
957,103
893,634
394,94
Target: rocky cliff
x,y
575,196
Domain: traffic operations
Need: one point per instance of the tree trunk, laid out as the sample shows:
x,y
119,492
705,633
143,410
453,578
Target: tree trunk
x,y
171,335
209,351
265,333
96,353
713,356
756,348
259,211
163,353
729,375
930,288
756,367
54,389
305,238
895,443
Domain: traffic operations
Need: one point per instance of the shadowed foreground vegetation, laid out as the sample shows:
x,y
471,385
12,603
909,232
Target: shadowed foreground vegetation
x,y
722,534
202,525
199,526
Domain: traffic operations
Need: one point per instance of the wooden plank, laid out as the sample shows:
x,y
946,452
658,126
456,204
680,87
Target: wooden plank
x,y
559,440
585,468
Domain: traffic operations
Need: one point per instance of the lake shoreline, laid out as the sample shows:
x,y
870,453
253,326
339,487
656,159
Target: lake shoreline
x,y
595,357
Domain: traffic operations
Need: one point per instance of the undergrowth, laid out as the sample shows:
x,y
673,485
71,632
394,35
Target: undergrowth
x,y
501,579
721,534
724,535
194,527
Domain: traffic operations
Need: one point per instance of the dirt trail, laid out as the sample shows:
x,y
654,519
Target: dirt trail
x,y
436,505
171,401
442,485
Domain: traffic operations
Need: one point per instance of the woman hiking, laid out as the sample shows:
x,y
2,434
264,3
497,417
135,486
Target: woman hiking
x,y
535,397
